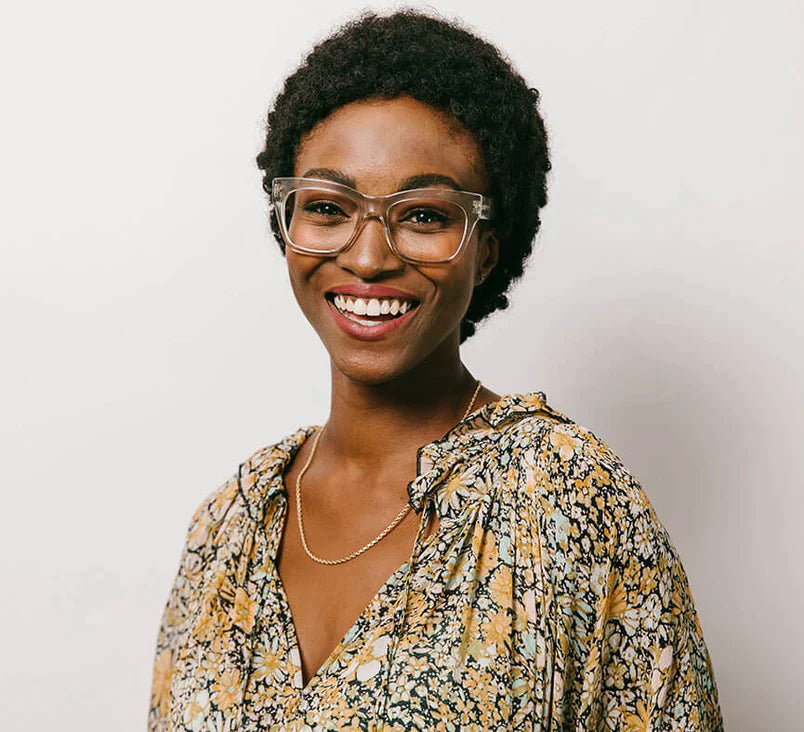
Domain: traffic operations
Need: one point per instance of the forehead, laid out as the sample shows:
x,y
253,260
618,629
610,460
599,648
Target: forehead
x,y
380,143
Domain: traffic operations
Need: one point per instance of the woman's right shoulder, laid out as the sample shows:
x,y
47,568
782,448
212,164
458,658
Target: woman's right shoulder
x,y
212,512
244,493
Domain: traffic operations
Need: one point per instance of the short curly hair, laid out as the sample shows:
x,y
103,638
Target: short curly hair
x,y
443,65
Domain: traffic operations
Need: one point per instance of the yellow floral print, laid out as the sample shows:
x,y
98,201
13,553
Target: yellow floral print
x,y
160,688
244,610
549,598
226,689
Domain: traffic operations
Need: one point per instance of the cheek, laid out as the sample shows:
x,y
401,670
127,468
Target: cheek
x,y
454,286
300,270
294,278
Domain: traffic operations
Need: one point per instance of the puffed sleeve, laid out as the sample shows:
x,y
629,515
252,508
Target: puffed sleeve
x,y
199,548
630,653
655,671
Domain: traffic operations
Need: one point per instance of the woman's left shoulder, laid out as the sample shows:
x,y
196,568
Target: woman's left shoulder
x,y
567,472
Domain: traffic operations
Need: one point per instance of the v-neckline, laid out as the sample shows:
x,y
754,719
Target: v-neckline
x,y
294,647
397,578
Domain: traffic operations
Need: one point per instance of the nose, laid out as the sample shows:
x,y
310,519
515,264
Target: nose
x,y
369,256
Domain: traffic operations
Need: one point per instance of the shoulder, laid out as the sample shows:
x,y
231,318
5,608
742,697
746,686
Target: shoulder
x,y
569,464
597,533
244,494
211,513
570,481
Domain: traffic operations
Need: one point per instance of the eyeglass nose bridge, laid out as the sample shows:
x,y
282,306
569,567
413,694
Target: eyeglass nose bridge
x,y
372,207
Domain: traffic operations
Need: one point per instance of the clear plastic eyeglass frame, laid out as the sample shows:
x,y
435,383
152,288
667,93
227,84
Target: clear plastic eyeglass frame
x,y
475,206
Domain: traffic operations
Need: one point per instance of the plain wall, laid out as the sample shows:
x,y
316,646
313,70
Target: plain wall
x,y
151,341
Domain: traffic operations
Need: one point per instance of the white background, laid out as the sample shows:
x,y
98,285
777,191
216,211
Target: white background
x,y
151,342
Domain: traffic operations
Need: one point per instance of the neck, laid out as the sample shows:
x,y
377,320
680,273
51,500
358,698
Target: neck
x,y
371,424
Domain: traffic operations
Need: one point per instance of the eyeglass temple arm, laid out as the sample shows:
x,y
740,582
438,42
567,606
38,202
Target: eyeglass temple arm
x,y
483,208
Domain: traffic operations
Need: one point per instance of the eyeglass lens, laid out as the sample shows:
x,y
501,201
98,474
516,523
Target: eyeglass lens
x,y
421,227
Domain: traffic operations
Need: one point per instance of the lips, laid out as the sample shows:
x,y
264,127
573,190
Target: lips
x,y
367,327
368,311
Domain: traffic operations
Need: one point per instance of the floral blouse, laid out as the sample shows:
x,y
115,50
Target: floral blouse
x,y
549,598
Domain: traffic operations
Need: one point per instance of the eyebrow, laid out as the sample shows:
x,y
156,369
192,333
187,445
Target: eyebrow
x,y
423,180
329,174
428,180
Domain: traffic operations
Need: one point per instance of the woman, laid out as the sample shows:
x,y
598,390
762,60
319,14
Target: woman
x,y
436,555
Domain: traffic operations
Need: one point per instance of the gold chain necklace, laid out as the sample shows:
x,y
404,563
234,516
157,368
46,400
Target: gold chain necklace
x,y
385,531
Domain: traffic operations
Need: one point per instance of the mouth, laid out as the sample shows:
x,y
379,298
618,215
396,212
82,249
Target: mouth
x,y
372,311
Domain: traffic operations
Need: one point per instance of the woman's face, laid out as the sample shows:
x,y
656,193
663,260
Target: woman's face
x,y
378,147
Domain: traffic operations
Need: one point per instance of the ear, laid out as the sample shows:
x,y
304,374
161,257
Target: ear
x,y
488,253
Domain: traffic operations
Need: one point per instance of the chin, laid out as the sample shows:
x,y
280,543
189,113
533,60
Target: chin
x,y
382,362
363,369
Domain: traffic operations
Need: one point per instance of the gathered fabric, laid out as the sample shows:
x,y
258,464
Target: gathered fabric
x,y
550,597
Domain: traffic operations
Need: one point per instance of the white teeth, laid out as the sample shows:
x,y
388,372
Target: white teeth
x,y
372,307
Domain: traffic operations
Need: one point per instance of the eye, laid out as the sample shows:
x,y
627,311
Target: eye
x,y
324,209
426,217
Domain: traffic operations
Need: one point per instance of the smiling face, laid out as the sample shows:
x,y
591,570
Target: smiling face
x,y
380,147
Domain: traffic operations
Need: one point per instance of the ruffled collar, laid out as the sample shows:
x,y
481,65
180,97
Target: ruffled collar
x,y
261,476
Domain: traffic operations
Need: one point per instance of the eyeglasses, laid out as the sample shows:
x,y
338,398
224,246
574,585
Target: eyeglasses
x,y
424,225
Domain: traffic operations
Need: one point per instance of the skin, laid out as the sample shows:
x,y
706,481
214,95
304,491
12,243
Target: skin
x,y
390,396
